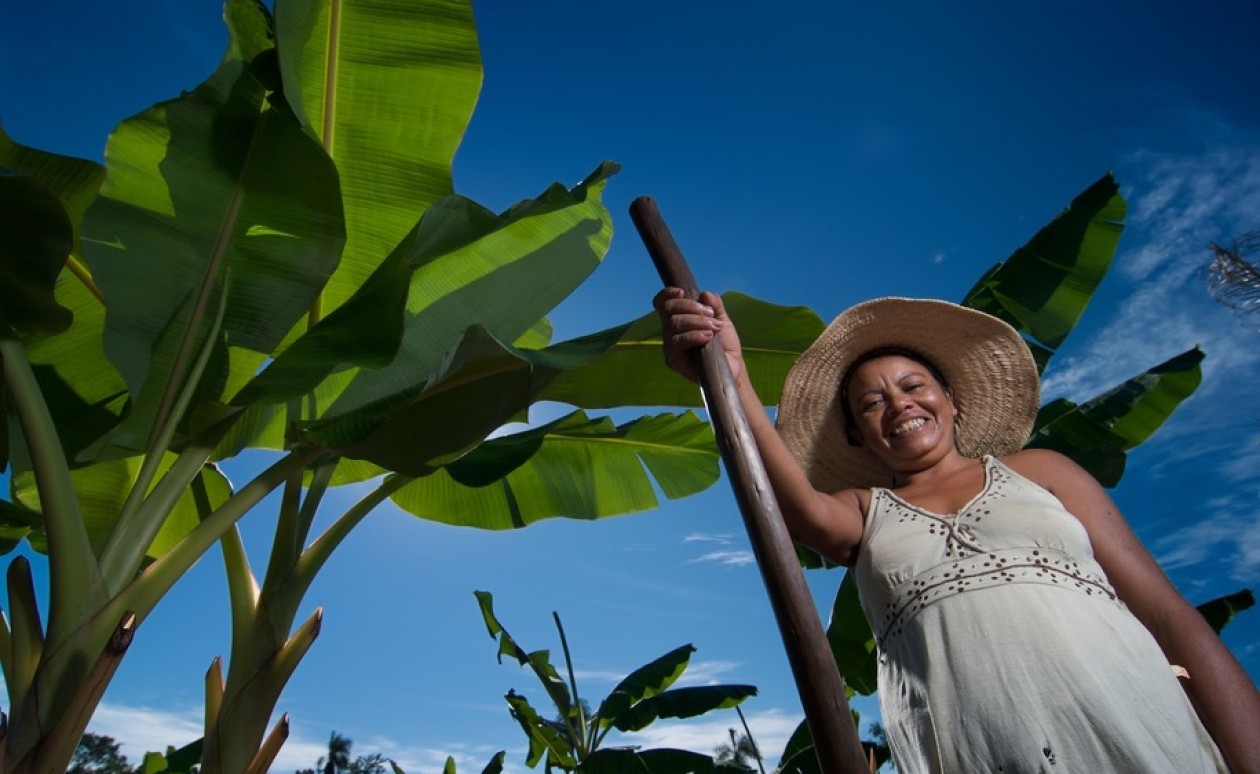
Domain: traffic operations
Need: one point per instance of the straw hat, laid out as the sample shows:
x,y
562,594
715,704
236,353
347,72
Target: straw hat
x,y
987,364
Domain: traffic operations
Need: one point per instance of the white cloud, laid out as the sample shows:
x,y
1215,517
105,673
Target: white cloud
x,y
722,538
707,672
140,730
1228,537
729,558
1177,210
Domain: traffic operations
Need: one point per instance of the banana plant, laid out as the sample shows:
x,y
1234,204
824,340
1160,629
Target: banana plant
x,y
1042,290
573,740
275,262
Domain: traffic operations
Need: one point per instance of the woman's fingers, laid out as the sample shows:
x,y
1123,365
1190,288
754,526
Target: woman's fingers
x,y
685,325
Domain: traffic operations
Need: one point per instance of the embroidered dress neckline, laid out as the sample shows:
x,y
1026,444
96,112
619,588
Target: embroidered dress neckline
x,y
988,461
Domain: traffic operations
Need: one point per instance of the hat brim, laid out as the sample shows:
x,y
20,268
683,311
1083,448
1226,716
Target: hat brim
x,y
988,366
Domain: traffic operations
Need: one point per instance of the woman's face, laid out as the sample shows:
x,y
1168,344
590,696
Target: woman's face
x,y
902,414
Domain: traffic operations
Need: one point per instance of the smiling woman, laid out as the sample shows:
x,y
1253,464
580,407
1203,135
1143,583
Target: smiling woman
x,y
990,574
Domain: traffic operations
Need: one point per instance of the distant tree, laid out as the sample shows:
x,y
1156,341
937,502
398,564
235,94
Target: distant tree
x,y
98,754
369,764
338,759
739,751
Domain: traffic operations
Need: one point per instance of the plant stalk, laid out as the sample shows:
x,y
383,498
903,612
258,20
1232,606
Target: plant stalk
x,y
158,578
76,586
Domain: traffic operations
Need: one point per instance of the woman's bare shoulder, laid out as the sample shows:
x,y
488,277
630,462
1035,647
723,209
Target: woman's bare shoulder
x,y
1045,467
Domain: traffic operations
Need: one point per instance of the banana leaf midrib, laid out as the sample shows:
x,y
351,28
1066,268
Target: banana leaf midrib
x,y
84,275
329,123
584,440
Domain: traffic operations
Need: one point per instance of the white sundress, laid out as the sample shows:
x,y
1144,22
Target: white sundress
x,y
1003,648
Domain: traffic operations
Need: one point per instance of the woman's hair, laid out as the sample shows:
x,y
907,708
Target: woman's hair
x,y
850,422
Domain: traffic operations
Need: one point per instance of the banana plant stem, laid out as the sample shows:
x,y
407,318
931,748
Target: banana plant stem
x,y
76,586
157,579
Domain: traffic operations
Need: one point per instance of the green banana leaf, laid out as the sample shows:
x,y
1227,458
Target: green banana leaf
x,y
682,703
36,236
387,87
1043,288
219,181
1220,611
480,386
658,761
83,390
538,661
574,467
633,372
851,640
464,264
544,736
1097,433
643,683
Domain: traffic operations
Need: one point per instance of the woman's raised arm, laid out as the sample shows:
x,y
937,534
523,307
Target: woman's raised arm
x,y
830,524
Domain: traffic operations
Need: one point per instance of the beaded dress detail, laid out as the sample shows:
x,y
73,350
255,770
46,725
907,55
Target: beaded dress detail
x,y
1003,648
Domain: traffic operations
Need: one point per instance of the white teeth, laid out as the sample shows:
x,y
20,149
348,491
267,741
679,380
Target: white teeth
x,y
908,425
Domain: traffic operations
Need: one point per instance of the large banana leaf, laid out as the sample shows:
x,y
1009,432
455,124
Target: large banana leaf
x,y
573,467
632,372
1097,433
219,183
35,239
462,267
83,390
388,88
1043,288
481,386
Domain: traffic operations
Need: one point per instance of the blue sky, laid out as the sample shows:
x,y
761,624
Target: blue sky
x,y
820,154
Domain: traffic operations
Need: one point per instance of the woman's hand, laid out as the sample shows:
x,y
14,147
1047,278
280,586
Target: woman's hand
x,y
687,325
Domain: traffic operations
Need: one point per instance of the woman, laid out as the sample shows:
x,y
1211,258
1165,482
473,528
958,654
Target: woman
x,y
1021,626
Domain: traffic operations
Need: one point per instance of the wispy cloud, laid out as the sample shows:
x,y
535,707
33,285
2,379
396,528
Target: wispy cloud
x,y
708,672
1228,537
732,557
721,538
1178,207
139,730
729,558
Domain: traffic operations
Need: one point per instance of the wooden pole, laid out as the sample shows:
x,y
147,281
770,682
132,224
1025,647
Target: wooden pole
x,y
817,678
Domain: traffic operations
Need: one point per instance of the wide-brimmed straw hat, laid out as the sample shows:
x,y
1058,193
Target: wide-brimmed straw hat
x,y
987,364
